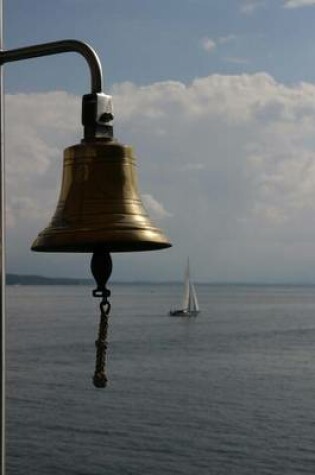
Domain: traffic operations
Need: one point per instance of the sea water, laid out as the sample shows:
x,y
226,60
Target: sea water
x,y
231,391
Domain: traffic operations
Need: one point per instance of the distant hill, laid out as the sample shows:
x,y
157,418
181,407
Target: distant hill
x,y
17,279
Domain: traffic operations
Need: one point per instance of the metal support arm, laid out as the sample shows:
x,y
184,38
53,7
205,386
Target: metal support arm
x,y
64,46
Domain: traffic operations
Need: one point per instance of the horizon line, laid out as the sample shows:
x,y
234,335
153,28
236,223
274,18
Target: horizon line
x,y
87,280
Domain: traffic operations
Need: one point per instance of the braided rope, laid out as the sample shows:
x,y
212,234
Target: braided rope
x,y
100,378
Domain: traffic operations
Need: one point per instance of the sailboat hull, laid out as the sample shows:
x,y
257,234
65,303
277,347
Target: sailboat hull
x,y
184,313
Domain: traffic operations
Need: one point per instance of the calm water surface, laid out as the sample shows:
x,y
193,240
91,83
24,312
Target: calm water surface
x,y
229,392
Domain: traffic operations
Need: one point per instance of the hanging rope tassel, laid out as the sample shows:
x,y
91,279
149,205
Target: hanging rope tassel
x,y
101,267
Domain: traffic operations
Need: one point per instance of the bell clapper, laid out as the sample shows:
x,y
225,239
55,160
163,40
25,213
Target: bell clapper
x,y
101,268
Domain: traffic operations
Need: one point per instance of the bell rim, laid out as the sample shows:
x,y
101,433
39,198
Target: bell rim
x,y
111,247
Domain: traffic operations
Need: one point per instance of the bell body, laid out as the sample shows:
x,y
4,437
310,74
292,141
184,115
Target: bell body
x,y
99,205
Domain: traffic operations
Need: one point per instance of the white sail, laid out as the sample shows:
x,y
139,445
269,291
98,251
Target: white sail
x,y
186,296
190,304
194,300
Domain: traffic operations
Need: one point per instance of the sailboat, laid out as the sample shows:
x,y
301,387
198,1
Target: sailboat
x,y
190,306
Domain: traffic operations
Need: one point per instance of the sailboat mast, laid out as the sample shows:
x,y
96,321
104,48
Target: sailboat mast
x,y
186,297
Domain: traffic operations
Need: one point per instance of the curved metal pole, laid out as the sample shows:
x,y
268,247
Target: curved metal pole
x,y
64,46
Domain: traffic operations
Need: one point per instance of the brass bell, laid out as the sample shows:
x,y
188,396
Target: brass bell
x,y
99,209
99,205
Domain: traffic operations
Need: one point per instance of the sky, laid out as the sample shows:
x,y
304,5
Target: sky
x,y
217,100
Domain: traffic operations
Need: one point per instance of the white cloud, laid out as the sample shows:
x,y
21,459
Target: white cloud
x,y
248,143
236,60
250,6
38,128
227,39
208,44
154,207
298,3
231,158
21,207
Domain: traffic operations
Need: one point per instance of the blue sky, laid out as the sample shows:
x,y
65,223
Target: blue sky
x,y
218,100
145,41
